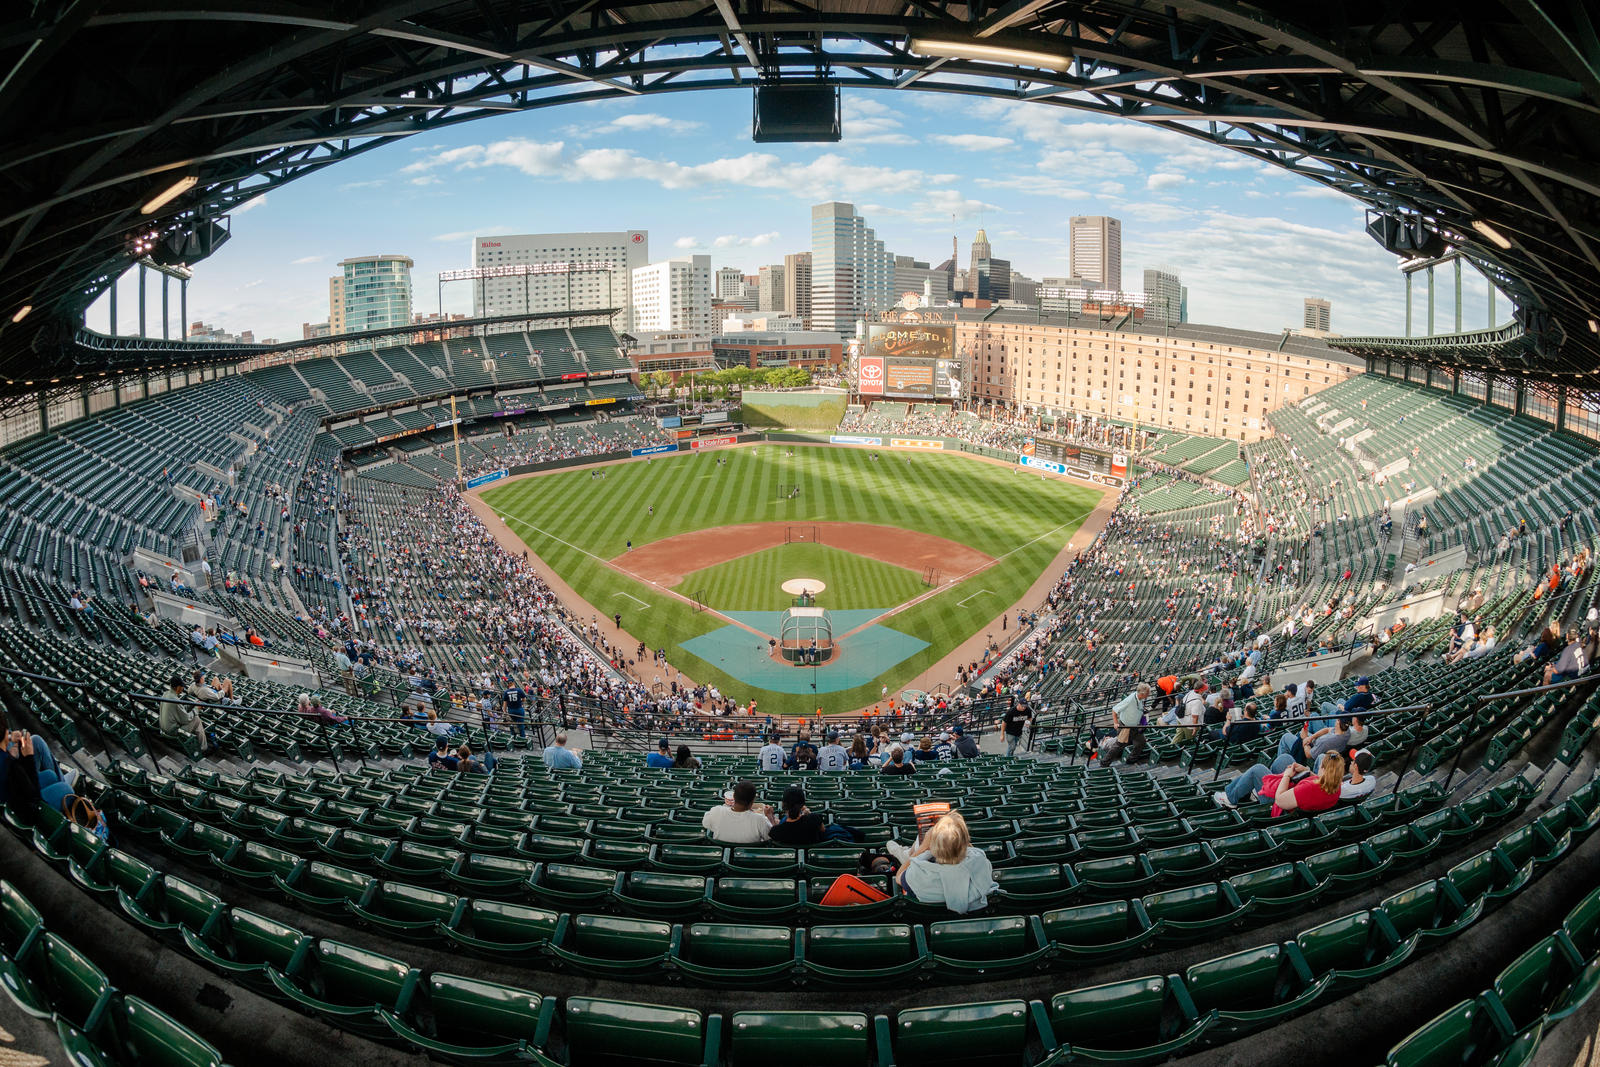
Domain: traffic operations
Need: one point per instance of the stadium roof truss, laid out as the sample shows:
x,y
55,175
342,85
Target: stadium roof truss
x,y
1476,123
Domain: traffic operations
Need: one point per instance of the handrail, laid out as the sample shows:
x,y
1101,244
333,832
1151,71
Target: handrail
x,y
1538,688
149,698
44,678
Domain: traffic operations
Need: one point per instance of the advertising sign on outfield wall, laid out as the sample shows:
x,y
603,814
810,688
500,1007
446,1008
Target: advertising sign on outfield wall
x,y
914,442
671,422
870,375
851,439
713,442
1070,471
655,450
485,479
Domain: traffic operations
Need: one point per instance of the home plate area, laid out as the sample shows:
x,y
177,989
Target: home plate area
x,y
857,659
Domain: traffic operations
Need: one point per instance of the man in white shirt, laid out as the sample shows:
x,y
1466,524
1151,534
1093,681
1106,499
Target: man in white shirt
x,y
739,820
1359,784
833,757
771,756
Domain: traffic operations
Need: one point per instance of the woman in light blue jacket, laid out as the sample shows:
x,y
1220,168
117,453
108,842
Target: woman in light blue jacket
x,y
944,867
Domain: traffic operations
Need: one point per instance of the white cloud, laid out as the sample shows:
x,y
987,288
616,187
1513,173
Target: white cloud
x,y
974,142
306,259
760,240
427,179
462,235
253,284
251,205
373,184
1164,180
686,243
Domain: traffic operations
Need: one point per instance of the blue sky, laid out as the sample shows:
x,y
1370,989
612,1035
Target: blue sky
x,y
1249,241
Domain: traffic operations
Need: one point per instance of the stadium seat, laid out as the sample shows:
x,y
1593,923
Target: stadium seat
x,y
1582,925
565,885
801,1038
136,1032
1103,930
615,1033
1195,911
1467,1032
756,899
1276,890
504,930
738,955
665,895
327,889
244,946
1544,980
1254,988
261,866
1354,949
350,987
1141,1019
480,875
52,978
973,948
611,945
865,952
169,904
990,1034
19,920
408,911
470,1021
1432,909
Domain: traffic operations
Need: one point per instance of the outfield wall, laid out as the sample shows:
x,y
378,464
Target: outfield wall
x,y
801,411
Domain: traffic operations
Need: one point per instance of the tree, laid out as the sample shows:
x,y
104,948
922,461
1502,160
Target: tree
x,y
661,380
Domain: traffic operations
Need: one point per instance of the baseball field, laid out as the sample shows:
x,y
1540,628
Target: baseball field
x,y
918,553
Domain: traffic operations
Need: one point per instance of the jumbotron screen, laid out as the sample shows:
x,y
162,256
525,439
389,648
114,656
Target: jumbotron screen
x,y
914,360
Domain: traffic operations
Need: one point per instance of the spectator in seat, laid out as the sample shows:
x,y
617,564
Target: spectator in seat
x,y
468,763
1288,786
944,867
942,748
1571,663
965,747
1358,783
441,758
661,757
686,760
559,757
897,762
799,825
1354,704
1549,644
860,758
833,757
177,718
924,751
29,774
1245,729
770,758
739,820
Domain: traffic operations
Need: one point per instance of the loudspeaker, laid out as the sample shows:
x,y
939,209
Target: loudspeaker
x,y
804,111
191,245
1406,235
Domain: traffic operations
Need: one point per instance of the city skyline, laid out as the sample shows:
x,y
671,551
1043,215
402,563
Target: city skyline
x,y
917,169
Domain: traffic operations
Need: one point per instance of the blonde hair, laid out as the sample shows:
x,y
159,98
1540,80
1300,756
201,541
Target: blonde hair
x,y
949,839
1332,773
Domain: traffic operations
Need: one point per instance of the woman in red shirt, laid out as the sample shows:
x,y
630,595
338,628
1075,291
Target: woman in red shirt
x,y
1277,785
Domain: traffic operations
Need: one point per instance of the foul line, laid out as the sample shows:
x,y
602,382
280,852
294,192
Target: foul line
x,y
633,598
974,596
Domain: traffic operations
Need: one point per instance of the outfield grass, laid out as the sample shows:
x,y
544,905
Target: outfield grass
x,y
752,583
575,522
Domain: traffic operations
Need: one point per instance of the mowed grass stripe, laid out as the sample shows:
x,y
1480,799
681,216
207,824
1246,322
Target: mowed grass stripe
x,y
983,505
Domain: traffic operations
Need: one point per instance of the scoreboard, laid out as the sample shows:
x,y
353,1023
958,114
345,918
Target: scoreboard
x,y
1094,463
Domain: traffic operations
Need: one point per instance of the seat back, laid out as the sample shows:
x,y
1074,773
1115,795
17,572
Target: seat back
x,y
475,1009
994,1032
607,1032
801,1038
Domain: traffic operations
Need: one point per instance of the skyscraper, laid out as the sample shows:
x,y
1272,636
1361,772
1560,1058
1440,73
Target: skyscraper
x,y
797,286
772,290
374,293
1096,243
852,274
730,284
1318,314
674,294
1163,295
606,262
988,278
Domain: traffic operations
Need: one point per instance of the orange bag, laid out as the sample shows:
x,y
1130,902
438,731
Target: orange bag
x,y
848,890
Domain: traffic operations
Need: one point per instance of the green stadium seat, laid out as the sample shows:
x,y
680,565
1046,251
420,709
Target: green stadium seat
x,y
19,920
801,1038
1582,925
991,1034
663,894
471,1021
738,955
136,1032
495,876
1097,931
689,858
504,930
1539,982
1467,1032
1195,911
1114,876
865,952
1036,886
52,978
762,862
350,987
1347,868
615,1033
1276,890
1138,1020
1431,909
1354,949
168,904
261,866
1254,988
114,871
1532,843
1246,849
987,947
1488,876
1403,846
408,911
611,945
328,889
1183,864
244,945
568,886
757,899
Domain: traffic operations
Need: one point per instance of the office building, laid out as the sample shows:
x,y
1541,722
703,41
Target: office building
x,y
730,284
374,293
1163,298
1209,380
915,276
852,274
1318,315
674,296
988,278
1024,290
336,304
797,286
571,271
771,291
1096,250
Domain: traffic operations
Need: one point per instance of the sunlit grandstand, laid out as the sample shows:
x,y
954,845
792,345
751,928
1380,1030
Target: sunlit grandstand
x,y
942,667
